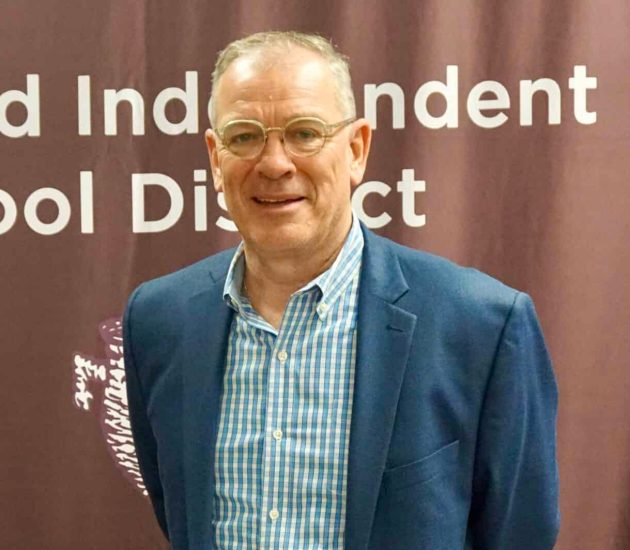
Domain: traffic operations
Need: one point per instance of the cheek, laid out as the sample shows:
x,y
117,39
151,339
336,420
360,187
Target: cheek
x,y
337,188
328,179
232,181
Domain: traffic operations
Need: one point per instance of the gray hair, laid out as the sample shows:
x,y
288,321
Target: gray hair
x,y
269,40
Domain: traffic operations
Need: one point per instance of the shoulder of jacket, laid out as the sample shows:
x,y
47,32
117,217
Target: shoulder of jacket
x,y
444,280
190,279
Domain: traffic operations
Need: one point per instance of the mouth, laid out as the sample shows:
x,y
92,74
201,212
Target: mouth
x,y
277,202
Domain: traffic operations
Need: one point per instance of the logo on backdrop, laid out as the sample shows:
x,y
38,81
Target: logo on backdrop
x,y
105,376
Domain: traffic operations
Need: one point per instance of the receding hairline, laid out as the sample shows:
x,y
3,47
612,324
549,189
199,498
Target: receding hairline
x,y
265,47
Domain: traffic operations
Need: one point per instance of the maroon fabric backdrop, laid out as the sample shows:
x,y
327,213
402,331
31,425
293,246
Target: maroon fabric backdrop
x,y
540,202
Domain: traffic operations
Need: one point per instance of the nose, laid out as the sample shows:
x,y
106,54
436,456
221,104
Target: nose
x,y
274,163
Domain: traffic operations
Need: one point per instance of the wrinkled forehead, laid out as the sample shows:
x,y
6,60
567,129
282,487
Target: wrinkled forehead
x,y
276,77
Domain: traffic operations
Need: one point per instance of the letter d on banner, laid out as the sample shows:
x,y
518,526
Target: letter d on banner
x,y
30,101
139,222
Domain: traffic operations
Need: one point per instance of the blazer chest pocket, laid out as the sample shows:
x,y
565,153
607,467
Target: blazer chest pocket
x,y
440,462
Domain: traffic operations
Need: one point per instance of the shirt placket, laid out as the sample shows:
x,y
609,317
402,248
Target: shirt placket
x,y
275,514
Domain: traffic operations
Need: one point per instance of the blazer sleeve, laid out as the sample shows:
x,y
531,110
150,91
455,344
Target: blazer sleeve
x,y
515,486
144,440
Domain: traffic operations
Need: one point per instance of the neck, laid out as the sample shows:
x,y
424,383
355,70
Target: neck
x,y
271,279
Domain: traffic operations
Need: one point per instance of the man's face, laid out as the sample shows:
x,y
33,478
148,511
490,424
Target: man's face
x,y
313,212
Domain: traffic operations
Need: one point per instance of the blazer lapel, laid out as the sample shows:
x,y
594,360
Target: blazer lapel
x,y
204,343
385,333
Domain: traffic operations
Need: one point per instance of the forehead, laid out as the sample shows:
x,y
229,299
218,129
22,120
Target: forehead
x,y
277,84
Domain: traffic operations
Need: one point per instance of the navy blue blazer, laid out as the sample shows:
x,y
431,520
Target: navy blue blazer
x,y
452,442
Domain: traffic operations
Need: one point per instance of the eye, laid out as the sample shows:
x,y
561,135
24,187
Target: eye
x,y
242,138
306,134
239,135
303,133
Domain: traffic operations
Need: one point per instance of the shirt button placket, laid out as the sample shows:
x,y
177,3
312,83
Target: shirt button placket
x,y
275,389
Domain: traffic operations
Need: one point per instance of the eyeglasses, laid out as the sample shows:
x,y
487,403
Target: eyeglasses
x,y
302,137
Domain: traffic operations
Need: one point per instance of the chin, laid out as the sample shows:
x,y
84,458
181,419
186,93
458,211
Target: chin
x,y
280,239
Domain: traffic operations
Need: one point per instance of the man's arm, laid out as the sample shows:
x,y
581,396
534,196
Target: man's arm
x,y
144,440
515,488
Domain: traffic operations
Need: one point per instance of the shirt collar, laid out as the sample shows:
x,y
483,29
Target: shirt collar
x,y
330,283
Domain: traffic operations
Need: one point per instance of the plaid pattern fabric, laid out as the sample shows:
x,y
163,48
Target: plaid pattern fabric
x,y
282,446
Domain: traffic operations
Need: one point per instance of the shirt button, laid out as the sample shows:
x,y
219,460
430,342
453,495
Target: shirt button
x,y
277,435
322,308
282,356
274,514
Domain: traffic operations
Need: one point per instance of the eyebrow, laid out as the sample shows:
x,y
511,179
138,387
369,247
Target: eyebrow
x,y
318,116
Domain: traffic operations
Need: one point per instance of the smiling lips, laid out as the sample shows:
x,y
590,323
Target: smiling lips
x,y
278,201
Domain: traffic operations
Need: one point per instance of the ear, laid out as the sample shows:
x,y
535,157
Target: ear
x,y
213,154
360,149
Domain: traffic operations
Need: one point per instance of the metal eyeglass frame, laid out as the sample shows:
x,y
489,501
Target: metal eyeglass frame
x,y
329,131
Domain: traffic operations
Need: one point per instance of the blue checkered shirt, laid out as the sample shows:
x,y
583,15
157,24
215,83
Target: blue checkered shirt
x,y
282,445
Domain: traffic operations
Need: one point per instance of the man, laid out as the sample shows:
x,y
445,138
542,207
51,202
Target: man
x,y
321,387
